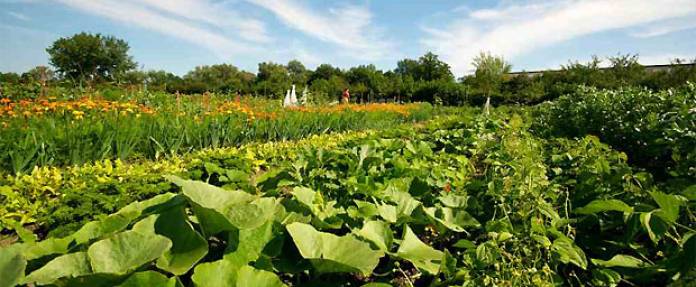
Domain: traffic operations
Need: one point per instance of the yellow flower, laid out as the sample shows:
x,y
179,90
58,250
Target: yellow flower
x,y
78,114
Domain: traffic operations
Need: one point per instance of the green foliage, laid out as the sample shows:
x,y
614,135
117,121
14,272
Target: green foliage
x,y
655,129
90,57
469,200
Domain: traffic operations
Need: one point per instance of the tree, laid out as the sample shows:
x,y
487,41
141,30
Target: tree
x,y
297,72
223,78
88,57
427,68
432,69
324,71
490,73
272,80
366,81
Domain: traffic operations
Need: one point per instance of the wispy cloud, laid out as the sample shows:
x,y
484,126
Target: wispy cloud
x,y
135,13
350,27
19,16
216,14
666,27
512,30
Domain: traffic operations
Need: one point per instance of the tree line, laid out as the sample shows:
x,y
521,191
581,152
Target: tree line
x,y
88,60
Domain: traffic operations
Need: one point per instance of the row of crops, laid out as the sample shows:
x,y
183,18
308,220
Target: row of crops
x,y
595,189
62,132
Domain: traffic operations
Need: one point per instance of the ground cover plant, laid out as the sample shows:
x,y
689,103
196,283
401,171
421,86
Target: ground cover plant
x,y
471,200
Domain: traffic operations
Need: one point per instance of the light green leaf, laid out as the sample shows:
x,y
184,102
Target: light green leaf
x,y
249,276
12,266
188,247
120,220
568,252
669,206
454,201
221,273
69,265
453,219
330,253
248,245
377,232
149,279
47,247
620,260
420,254
598,206
126,251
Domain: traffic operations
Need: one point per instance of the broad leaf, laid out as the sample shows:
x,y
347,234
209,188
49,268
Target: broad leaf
x,y
12,266
330,253
126,251
420,254
149,279
377,232
221,273
568,252
248,276
598,206
69,265
620,260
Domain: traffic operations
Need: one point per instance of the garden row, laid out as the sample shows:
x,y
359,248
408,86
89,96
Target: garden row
x,y
473,200
48,132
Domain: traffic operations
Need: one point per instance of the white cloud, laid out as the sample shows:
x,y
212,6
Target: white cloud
x,y
138,15
215,14
513,30
666,27
19,16
350,27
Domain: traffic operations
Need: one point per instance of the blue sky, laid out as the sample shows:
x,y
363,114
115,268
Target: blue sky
x,y
177,35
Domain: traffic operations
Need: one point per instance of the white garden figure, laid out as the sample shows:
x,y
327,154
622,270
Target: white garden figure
x,y
286,100
290,99
303,99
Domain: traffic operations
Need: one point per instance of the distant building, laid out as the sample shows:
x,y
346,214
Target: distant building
x,y
648,68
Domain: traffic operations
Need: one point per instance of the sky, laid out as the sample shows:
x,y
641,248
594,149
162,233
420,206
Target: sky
x,y
178,35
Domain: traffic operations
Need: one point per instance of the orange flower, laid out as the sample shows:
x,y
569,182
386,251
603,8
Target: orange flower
x,y
5,101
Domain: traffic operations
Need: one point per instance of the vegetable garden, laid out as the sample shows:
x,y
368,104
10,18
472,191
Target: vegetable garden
x,y
597,188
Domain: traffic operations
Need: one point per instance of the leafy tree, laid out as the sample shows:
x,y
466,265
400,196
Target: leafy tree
x,y
433,69
427,68
272,80
490,73
90,57
626,70
224,78
366,81
324,71
298,72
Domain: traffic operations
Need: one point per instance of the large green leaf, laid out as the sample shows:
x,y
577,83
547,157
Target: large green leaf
x,y
620,260
150,279
218,209
120,220
598,206
420,254
330,253
249,276
221,273
669,206
249,243
126,251
69,265
377,232
47,247
12,265
568,252
188,247
453,219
